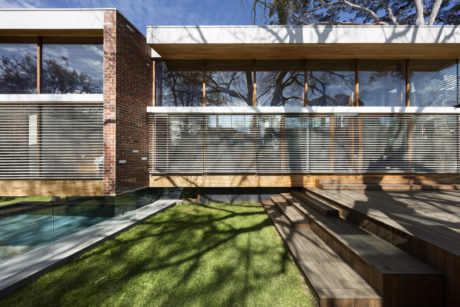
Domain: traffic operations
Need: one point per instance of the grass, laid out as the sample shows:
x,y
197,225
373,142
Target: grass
x,y
12,200
190,255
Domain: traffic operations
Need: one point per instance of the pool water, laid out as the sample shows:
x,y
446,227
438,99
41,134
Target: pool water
x,y
52,221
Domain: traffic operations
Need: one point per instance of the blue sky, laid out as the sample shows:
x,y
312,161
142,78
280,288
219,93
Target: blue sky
x,y
157,12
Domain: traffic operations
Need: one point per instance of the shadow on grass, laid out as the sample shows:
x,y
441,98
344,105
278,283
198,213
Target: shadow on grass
x,y
188,255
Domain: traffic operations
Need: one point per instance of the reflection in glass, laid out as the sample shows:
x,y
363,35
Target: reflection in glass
x,y
280,83
433,83
331,83
72,69
179,83
229,83
381,83
18,68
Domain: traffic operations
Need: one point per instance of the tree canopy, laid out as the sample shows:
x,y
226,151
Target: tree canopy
x,y
380,12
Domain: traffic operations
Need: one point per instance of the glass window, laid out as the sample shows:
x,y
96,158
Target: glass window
x,y
280,83
433,83
18,68
179,83
331,83
229,83
382,83
72,68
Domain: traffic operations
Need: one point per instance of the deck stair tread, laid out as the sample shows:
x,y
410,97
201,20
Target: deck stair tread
x,y
291,213
327,274
379,180
378,253
387,186
403,218
317,203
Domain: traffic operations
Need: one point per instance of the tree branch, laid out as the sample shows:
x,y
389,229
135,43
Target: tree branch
x,y
364,9
434,12
419,9
389,11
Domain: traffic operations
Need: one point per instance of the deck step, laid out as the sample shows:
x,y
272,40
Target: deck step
x,y
295,218
312,200
333,282
387,187
401,279
390,180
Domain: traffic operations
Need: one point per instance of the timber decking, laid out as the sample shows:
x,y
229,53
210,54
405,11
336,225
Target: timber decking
x,y
401,279
295,218
314,201
410,183
333,282
426,224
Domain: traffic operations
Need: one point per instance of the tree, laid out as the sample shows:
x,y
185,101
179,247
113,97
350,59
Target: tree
x,y
379,12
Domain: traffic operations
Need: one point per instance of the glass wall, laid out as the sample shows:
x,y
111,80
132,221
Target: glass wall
x,y
72,68
331,83
179,83
229,83
433,83
328,82
280,83
382,83
18,68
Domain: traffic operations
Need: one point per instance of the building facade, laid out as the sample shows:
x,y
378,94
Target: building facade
x,y
90,106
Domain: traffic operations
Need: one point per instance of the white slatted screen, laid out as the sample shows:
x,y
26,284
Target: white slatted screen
x,y
49,141
288,143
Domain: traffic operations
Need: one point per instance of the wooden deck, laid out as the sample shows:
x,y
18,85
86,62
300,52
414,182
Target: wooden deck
x,y
426,224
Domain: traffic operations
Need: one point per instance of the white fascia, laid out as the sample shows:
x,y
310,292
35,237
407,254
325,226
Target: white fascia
x,y
312,34
51,98
303,110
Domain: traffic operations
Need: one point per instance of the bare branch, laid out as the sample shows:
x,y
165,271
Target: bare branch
x,y
364,9
389,11
434,12
336,23
419,8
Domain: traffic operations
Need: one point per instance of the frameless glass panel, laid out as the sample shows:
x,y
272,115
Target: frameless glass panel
x,y
18,68
229,83
331,83
72,68
382,83
179,83
280,83
433,83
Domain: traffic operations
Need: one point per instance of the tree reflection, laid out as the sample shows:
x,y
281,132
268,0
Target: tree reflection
x,y
18,74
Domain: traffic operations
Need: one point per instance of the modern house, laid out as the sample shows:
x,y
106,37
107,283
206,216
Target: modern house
x,y
89,106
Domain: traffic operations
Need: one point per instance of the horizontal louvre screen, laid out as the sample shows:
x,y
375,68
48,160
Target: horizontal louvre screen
x,y
51,142
320,143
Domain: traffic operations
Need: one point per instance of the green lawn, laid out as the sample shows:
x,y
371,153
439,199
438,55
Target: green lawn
x,y
190,255
12,200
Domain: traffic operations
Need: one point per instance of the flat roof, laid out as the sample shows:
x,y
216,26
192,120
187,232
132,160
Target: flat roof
x,y
311,41
52,19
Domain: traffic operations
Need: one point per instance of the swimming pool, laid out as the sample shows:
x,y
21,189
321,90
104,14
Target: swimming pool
x,y
50,221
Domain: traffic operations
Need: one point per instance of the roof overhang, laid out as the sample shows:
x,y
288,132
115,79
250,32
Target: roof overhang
x,y
305,42
52,22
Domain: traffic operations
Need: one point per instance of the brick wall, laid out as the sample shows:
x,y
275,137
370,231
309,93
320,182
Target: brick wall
x,y
127,93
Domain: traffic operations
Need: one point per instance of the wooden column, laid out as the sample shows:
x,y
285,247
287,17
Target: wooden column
x,y
204,84
360,143
254,85
407,83
356,84
409,144
39,65
306,85
153,84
